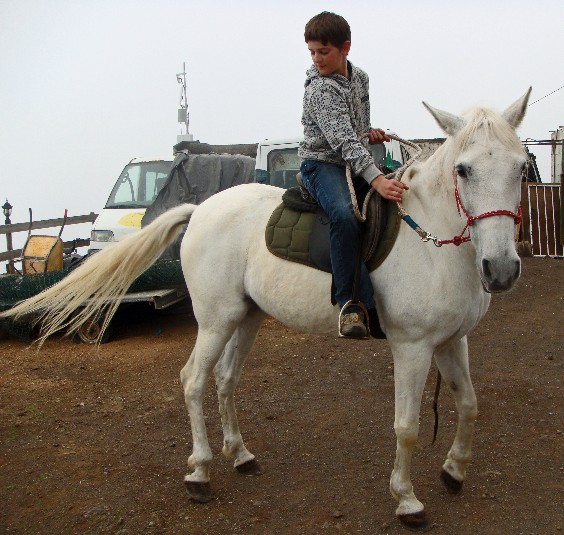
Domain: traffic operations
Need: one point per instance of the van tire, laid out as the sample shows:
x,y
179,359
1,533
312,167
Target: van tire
x,y
89,332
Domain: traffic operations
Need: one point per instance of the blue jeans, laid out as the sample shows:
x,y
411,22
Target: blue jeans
x,y
327,183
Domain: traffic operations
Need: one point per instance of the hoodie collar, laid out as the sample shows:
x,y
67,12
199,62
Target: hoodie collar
x,y
313,73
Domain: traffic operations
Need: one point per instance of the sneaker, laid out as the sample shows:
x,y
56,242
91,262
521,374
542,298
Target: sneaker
x,y
351,325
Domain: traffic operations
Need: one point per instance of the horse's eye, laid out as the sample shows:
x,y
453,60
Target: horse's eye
x,y
461,170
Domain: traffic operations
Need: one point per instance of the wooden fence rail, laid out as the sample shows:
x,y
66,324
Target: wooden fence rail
x,y
46,223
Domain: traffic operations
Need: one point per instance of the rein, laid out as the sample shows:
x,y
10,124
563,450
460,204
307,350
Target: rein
x,y
397,174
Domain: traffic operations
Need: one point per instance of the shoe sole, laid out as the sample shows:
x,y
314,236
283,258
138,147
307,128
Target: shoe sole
x,y
355,332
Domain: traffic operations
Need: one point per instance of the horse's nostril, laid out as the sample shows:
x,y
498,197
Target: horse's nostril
x,y
486,268
517,271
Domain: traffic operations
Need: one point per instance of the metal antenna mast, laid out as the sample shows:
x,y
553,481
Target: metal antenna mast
x,y
183,114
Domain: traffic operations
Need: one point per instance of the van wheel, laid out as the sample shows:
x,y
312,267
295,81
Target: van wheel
x,y
90,331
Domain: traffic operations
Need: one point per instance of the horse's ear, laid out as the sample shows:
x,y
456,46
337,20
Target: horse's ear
x,y
450,124
515,113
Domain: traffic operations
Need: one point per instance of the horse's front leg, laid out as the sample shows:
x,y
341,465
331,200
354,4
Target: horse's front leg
x,y
227,375
411,366
454,368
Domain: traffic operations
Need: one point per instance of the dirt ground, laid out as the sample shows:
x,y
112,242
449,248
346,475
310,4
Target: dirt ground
x,y
96,441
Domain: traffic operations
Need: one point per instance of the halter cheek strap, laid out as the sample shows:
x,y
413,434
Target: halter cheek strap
x,y
470,219
461,238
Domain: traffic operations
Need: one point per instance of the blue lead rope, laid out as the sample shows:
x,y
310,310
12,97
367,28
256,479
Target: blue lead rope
x,y
407,218
425,236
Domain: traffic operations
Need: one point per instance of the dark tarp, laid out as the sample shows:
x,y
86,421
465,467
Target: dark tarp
x,y
192,179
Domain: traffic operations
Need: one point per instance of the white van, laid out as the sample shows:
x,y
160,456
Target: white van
x,y
136,188
138,185
278,161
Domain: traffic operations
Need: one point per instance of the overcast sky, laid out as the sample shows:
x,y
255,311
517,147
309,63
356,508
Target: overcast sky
x,y
87,85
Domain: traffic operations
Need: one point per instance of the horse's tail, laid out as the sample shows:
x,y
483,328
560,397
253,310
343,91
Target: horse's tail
x,y
95,288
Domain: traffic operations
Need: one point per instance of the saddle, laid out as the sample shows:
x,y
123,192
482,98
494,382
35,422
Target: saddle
x,y
298,230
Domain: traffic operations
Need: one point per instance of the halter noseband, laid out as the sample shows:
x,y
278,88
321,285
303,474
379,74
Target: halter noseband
x,y
470,219
457,240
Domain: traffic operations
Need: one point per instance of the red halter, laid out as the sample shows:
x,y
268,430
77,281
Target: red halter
x,y
457,240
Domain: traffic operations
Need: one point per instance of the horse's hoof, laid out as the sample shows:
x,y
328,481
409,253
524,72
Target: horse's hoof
x,y
415,521
199,492
452,485
250,468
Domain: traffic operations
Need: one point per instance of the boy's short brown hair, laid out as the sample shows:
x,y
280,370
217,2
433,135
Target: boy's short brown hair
x,y
328,28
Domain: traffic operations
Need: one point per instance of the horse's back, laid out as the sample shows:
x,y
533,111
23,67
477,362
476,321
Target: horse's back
x,y
223,228
236,204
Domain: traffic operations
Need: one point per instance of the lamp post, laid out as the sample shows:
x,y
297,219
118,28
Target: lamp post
x,y
7,209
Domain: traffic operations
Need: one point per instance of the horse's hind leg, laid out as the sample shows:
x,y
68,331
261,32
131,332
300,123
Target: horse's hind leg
x,y
227,374
453,365
194,376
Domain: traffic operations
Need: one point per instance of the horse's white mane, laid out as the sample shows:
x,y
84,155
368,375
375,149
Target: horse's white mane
x,y
492,124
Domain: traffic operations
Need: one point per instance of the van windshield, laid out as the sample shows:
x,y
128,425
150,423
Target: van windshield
x,y
139,184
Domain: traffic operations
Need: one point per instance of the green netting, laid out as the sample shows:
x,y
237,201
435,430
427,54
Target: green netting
x,y
160,276
15,288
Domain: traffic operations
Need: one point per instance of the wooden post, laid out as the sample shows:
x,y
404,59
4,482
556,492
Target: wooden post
x,y
9,229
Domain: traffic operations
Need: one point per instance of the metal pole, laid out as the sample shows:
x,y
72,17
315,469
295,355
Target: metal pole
x,y
553,217
10,268
546,227
185,98
181,79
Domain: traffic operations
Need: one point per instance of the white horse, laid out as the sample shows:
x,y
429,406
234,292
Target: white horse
x,y
428,298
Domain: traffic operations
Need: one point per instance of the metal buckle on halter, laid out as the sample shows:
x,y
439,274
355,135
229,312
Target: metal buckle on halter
x,y
434,239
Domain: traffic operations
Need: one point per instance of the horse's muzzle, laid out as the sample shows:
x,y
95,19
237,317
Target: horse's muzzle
x,y
500,276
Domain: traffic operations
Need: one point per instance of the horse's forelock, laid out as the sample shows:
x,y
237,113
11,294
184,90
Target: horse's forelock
x,y
491,123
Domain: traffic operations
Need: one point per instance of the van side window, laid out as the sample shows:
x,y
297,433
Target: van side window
x,y
283,165
278,163
378,153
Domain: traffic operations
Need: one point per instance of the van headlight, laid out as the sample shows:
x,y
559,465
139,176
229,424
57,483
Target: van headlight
x,y
101,235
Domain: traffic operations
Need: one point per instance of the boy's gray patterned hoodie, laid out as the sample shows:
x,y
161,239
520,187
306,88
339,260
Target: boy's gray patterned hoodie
x,y
336,113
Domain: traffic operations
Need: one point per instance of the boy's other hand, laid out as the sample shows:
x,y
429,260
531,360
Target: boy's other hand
x,y
389,188
377,136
